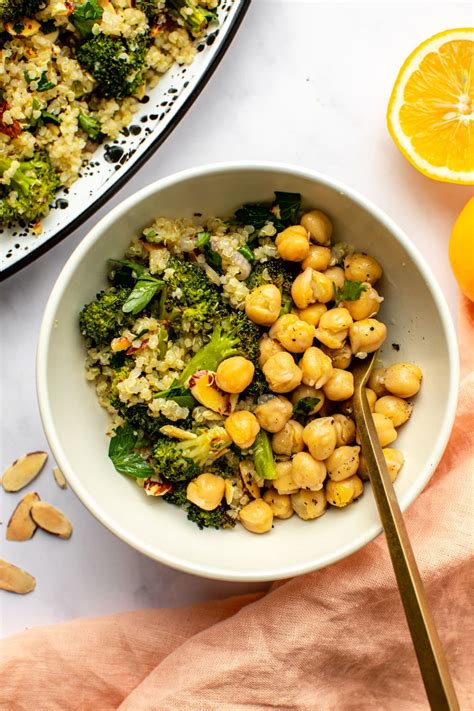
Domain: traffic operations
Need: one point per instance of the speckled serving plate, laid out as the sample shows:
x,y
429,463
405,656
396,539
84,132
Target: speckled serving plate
x,y
116,161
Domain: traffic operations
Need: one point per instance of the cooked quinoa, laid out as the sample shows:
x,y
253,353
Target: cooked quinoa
x,y
54,102
222,350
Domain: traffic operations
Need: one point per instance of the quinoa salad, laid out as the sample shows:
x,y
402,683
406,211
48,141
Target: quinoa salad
x,y
222,349
72,74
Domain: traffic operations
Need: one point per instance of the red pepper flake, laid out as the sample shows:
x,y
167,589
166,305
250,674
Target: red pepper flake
x,y
12,130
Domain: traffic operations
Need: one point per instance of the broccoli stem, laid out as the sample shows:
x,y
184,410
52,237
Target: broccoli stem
x,y
90,125
263,456
19,179
197,20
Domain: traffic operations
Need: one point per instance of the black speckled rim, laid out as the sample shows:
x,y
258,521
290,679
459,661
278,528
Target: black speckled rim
x,y
77,222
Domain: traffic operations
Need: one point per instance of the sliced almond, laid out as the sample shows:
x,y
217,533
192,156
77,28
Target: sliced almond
x,y
203,387
177,432
228,492
51,519
59,478
15,579
248,473
156,488
23,471
21,526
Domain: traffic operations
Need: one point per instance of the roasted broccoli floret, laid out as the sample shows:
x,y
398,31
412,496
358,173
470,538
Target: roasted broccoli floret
x,y
103,318
31,189
218,518
177,495
116,63
278,272
16,9
191,298
90,125
192,16
120,374
152,9
236,335
181,460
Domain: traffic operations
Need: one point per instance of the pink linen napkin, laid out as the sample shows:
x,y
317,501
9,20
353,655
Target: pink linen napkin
x,y
335,639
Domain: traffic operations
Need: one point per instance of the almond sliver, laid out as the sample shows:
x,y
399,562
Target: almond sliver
x,y
15,579
23,471
21,526
51,519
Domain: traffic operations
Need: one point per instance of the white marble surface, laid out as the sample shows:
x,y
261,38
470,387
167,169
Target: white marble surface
x,y
304,82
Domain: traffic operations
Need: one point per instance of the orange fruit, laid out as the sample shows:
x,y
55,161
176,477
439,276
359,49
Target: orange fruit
x,y
461,249
431,110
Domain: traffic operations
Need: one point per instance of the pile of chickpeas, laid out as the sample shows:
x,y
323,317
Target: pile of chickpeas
x,y
318,463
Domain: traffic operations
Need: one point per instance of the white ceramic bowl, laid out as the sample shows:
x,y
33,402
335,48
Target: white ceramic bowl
x,y
414,310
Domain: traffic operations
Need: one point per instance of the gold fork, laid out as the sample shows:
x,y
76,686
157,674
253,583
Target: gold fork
x,y
431,660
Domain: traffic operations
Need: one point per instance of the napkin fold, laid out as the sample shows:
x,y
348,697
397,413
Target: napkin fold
x,y
335,639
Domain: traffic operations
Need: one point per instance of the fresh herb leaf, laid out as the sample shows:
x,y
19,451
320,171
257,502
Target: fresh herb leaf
x,y
179,394
202,239
42,84
351,291
289,205
85,16
256,215
246,252
213,258
142,293
305,405
124,459
137,268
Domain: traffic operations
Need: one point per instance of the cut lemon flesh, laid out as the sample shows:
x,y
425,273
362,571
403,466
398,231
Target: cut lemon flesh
x,y
431,110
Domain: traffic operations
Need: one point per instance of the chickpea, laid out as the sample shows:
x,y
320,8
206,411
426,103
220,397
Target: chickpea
x,y
268,347
309,504
305,393
283,482
257,516
403,379
242,427
234,374
288,440
320,437
316,367
310,287
280,504
281,373
340,385
385,430
318,258
294,334
263,304
334,327
206,491
312,314
342,493
273,413
376,381
366,306
306,472
336,276
340,357
394,460
345,429
318,225
343,462
362,267
293,244
395,408
367,335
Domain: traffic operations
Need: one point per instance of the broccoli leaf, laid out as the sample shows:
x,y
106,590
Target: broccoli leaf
x,y
124,459
289,205
351,291
305,405
142,293
263,456
85,16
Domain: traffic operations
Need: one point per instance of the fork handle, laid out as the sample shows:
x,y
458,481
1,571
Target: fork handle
x,y
431,660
